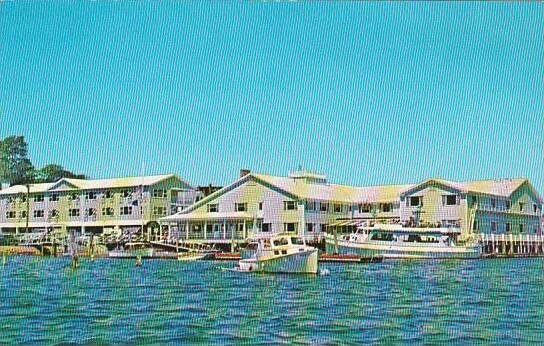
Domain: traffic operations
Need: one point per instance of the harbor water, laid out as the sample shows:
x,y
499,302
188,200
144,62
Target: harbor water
x,y
44,301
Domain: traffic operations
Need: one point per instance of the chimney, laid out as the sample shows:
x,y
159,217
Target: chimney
x,y
244,172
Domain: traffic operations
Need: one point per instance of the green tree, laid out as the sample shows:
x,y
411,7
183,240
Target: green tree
x,y
53,172
15,167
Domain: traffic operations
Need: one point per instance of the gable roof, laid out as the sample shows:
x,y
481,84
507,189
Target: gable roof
x,y
88,184
496,187
300,189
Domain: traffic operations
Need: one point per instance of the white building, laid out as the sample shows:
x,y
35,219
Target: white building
x,y
484,206
303,202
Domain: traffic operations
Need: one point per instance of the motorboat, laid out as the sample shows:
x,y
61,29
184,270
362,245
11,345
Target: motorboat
x,y
132,250
396,241
279,253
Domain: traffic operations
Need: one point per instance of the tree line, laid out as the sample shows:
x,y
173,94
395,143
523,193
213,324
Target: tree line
x,y
16,168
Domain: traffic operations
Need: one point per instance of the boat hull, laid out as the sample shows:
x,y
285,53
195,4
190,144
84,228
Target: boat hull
x,y
396,250
147,253
302,262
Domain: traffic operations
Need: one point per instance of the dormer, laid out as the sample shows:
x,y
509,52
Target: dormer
x,y
308,177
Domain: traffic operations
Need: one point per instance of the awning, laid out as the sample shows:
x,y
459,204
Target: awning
x,y
237,215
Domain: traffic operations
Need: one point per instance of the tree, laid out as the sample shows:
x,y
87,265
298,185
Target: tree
x,y
15,167
53,172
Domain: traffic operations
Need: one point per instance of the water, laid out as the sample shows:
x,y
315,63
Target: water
x,y
43,300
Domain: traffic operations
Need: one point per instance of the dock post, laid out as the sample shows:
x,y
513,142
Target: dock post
x,y
335,239
511,248
493,243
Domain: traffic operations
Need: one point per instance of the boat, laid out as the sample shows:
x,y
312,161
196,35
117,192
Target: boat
x,y
396,241
192,256
132,250
279,253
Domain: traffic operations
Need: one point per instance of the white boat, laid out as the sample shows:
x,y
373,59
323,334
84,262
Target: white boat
x,y
395,241
132,250
192,256
279,253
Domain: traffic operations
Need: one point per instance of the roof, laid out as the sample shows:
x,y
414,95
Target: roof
x,y
89,184
301,189
496,187
334,192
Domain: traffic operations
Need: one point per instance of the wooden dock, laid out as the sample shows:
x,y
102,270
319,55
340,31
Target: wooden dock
x,y
511,245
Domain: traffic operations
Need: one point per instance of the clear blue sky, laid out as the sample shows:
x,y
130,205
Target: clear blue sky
x,y
367,93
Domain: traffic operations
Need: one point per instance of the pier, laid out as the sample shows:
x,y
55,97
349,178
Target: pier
x,y
511,245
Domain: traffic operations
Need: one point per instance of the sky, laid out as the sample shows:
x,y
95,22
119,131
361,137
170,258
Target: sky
x,y
366,93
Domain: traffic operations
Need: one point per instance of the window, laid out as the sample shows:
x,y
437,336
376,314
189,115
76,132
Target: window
x,y
521,206
125,211
521,228
90,195
107,211
73,196
416,201
23,198
311,205
493,203
364,208
38,213
474,201
475,225
508,204
387,207
493,226
54,197
22,214
108,194
54,213
535,208
451,199
241,206
289,205
507,227
290,227
126,193
260,205
324,206
338,208
323,227
213,208
73,212
159,211
10,214
159,193
267,227
90,212
310,227
38,198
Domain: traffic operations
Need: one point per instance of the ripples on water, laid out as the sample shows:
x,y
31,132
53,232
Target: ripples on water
x,y
42,300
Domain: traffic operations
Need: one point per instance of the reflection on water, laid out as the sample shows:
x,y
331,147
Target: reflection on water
x,y
42,300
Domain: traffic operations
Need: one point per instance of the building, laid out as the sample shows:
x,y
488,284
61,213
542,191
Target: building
x,y
483,206
303,202
308,204
127,204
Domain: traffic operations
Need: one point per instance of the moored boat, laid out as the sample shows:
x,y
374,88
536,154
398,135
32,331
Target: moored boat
x,y
395,241
132,250
279,253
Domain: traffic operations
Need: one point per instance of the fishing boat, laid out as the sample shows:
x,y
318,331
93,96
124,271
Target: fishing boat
x,y
132,250
279,253
396,241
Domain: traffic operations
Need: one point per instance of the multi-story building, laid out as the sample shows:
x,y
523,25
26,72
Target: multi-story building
x,y
303,202
306,203
132,203
483,206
